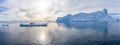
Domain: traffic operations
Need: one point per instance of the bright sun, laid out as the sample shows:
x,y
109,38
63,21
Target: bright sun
x,y
41,9
42,5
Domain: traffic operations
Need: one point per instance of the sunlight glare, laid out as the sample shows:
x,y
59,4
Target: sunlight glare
x,y
42,5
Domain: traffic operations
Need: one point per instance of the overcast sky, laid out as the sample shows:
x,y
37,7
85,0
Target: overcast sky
x,y
40,9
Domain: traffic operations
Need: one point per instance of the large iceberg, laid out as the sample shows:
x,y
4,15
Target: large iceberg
x,y
94,16
116,16
66,18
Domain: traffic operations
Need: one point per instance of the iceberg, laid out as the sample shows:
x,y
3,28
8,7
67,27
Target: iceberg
x,y
64,19
94,16
116,16
33,25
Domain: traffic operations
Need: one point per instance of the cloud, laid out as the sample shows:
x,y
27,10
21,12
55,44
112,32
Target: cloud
x,y
76,6
2,9
1,1
29,9
39,9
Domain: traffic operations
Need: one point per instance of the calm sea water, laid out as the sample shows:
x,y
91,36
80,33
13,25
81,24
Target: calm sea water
x,y
75,33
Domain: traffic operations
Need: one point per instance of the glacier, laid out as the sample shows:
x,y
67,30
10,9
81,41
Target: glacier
x,y
97,16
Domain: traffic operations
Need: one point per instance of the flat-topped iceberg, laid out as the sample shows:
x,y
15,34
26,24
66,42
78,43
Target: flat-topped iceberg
x,y
33,25
94,16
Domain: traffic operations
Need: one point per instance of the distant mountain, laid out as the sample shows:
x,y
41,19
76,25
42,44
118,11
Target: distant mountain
x,y
94,16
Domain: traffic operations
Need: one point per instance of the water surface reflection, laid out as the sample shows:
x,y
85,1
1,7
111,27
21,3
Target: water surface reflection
x,y
75,33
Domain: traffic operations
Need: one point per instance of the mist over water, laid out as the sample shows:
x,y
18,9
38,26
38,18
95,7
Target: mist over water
x,y
75,33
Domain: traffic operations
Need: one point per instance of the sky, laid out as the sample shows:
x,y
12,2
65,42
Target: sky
x,y
51,9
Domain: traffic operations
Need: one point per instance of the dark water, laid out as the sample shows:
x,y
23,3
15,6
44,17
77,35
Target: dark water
x,y
76,33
